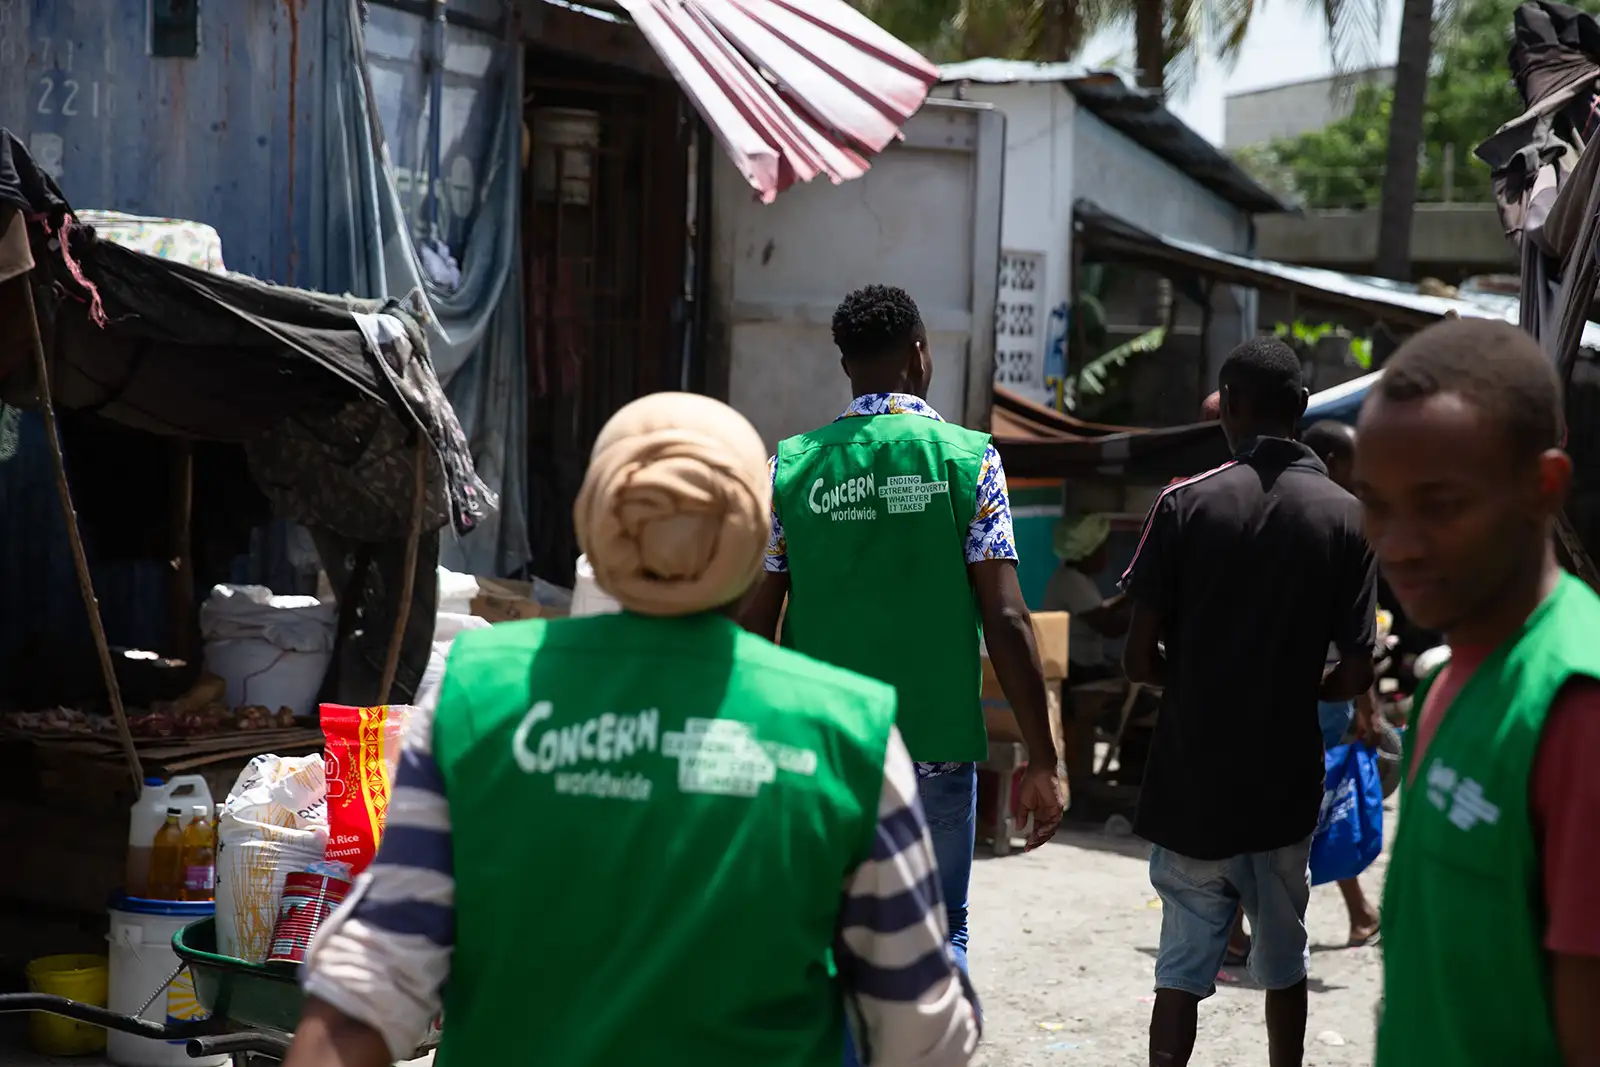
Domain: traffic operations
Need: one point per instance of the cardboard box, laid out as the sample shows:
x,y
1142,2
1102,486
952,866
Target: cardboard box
x,y
1050,631
1050,634
1000,722
506,600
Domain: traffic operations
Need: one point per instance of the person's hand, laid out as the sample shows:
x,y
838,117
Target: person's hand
x,y
1366,726
1041,797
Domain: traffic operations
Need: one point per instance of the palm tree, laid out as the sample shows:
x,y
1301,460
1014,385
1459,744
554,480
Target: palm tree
x,y
1399,192
1170,36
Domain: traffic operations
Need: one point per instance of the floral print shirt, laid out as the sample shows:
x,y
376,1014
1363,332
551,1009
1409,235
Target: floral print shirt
x,y
990,535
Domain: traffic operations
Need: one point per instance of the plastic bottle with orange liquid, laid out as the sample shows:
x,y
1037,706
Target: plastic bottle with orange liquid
x,y
199,860
166,859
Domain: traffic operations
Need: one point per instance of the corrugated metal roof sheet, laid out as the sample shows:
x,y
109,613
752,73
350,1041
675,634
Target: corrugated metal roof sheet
x,y
1136,113
792,88
1403,300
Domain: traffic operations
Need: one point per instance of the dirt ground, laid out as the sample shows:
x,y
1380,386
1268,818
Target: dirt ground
x,y
1062,952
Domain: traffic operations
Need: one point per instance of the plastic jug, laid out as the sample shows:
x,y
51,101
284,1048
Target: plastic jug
x,y
188,792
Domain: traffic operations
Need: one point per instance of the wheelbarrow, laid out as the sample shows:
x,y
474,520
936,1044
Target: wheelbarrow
x,y
252,1008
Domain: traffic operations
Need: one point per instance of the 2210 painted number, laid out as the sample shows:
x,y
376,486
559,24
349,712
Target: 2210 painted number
x,y
70,98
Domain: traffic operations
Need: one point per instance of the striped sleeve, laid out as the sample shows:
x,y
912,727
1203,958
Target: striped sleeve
x,y
911,1003
383,957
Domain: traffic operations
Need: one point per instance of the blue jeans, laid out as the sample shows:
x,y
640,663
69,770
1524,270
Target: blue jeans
x,y
950,804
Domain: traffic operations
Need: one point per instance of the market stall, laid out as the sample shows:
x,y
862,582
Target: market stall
x,y
334,412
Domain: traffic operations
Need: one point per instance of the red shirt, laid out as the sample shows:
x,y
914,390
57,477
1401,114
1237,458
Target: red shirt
x,y
1564,797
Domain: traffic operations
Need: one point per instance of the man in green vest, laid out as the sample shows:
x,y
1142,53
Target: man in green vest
x,y
1491,910
892,544
648,837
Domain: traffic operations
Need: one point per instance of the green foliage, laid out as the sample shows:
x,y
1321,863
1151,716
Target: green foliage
x,y
1303,336
1055,30
1470,94
1095,378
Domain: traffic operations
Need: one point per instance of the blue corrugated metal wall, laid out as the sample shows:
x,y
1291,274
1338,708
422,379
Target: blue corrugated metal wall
x,y
225,138
229,138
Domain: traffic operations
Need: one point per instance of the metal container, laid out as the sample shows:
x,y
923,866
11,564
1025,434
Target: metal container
x,y
308,900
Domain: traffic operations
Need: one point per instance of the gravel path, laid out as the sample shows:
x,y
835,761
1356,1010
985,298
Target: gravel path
x,y
1063,952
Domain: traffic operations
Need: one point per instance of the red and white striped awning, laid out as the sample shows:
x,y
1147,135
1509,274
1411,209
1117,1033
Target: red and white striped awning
x,y
792,88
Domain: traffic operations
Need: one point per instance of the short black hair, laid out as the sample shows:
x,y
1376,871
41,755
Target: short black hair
x,y
1492,365
876,320
1264,373
1330,439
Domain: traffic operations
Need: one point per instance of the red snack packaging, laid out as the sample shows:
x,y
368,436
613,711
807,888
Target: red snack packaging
x,y
361,754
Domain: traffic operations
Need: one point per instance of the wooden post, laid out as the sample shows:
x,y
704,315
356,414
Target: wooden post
x,y
80,560
408,582
180,578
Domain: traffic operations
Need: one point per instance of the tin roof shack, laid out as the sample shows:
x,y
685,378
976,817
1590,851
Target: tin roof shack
x,y
681,222
1072,134
270,123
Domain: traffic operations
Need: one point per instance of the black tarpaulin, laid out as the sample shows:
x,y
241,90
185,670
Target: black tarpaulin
x,y
326,395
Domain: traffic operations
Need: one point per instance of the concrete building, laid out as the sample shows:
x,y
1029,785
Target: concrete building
x,y
1263,115
1074,135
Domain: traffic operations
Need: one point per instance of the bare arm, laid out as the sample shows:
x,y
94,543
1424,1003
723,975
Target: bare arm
x,y
763,608
1575,996
327,1037
1008,634
1142,660
1351,679
1111,618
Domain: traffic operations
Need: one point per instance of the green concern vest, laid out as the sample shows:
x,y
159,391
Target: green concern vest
x,y
652,822
875,512
1466,980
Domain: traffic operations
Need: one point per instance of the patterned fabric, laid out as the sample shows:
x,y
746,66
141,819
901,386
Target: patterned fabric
x,y
368,445
192,243
989,537
384,957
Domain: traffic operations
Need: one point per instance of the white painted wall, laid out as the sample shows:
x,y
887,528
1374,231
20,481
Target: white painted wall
x,y
1129,181
1038,193
926,217
1122,177
1056,153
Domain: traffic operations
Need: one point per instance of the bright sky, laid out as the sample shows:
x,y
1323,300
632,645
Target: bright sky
x,y
1288,42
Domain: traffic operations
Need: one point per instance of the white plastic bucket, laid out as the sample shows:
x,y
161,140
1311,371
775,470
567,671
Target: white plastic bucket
x,y
270,650
141,960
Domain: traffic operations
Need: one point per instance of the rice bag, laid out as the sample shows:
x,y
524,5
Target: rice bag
x,y
273,823
361,754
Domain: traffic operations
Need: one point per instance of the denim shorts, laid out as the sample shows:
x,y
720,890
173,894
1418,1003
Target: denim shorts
x,y
1199,899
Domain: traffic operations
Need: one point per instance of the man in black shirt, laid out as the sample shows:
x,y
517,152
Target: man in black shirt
x,y
1243,577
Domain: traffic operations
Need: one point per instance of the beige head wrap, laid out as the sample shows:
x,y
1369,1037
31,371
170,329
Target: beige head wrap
x,y
1075,540
675,509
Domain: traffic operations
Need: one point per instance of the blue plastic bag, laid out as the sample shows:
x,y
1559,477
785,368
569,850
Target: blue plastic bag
x,y
1350,829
